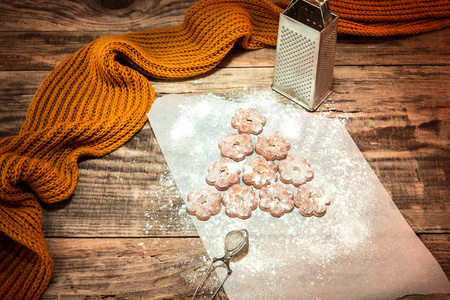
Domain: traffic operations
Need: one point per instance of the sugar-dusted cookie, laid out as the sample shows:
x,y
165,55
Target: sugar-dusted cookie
x,y
272,146
276,199
223,173
311,199
240,201
204,202
236,146
248,121
259,172
295,169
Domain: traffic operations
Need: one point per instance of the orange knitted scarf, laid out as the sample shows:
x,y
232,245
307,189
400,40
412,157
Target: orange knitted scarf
x,y
91,104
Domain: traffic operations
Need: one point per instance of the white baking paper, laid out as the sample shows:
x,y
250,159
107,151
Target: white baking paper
x,y
361,249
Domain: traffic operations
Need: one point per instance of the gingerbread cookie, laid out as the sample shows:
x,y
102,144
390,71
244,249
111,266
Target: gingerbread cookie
x,y
240,201
311,199
223,173
259,172
248,121
295,169
236,146
272,146
276,199
204,202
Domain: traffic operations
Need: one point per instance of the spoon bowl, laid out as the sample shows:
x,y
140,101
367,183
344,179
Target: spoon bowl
x,y
235,242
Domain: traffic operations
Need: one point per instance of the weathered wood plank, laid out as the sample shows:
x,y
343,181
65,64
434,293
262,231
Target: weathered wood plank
x,y
86,15
131,193
372,89
367,96
418,183
397,50
150,268
35,51
21,51
424,297
439,246
365,51
128,193
398,117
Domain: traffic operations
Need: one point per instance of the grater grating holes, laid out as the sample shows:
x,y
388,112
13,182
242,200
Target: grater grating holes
x,y
326,63
295,66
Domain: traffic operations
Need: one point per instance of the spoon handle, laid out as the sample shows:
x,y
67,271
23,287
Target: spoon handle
x,y
226,262
203,279
220,286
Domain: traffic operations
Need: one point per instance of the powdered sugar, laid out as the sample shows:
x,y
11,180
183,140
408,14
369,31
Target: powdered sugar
x,y
259,172
176,218
277,199
322,240
291,255
295,169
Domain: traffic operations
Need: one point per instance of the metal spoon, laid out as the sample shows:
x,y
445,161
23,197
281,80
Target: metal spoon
x,y
236,242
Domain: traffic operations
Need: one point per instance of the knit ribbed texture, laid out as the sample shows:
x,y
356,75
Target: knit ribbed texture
x,y
92,104
386,18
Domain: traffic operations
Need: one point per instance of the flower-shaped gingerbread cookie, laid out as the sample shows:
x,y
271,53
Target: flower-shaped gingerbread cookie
x,y
204,202
259,172
311,199
248,121
295,169
236,146
223,173
272,146
240,201
276,199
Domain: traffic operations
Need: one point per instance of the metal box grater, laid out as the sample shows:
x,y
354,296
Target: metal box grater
x,y
305,53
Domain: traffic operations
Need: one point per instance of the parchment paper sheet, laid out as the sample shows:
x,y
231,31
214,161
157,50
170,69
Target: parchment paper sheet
x,y
361,249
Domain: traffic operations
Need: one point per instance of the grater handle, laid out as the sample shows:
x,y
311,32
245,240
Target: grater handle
x,y
324,6
325,11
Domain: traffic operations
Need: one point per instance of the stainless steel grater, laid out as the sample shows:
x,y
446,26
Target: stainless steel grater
x,y
305,53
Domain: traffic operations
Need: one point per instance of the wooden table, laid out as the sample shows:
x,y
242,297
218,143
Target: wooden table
x,y
122,234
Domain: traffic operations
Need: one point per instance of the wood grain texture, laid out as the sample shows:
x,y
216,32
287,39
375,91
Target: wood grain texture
x,y
59,22
149,268
21,51
88,15
439,245
146,268
124,234
398,116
